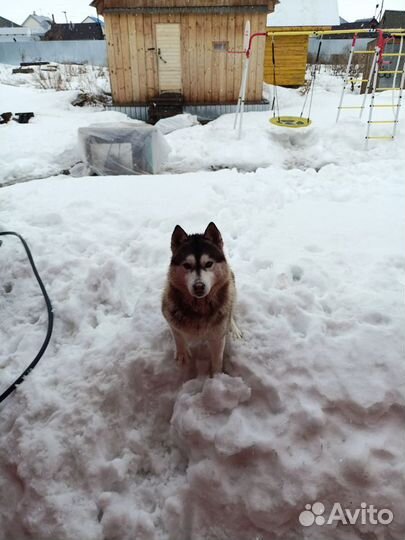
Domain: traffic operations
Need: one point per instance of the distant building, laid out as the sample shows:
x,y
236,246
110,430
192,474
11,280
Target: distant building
x,y
13,32
369,22
5,23
94,20
90,19
73,32
393,19
304,13
38,24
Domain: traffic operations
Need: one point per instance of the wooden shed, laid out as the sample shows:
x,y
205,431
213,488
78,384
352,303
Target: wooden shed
x,y
183,47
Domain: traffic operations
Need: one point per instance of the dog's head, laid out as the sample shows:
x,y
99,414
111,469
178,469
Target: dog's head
x,y
198,262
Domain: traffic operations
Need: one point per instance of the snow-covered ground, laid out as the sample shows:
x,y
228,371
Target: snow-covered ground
x,y
105,440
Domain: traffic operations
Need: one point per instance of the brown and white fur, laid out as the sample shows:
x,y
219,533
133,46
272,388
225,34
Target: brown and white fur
x,y
199,296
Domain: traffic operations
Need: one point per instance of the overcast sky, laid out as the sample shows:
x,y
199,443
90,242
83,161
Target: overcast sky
x,y
77,10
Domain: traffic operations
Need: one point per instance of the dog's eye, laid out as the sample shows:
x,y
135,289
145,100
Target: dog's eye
x,y
187,266
209,264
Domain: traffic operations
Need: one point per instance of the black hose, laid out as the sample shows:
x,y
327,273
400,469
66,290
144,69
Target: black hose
x,y
20,379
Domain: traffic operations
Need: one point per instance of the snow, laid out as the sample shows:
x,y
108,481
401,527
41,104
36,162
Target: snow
x,y
305,13
106,439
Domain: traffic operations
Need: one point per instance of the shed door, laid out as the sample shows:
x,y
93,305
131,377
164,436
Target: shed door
x,y
169,57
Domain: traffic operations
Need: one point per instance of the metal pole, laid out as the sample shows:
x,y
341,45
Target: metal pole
x,y
237,108
349,64
246,43
370,79
398,62
244,84
314,33
375,79
401,86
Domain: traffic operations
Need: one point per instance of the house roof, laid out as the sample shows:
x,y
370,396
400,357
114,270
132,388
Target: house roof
x,y
71,31
95,20
5,23
371,23
41,19
305,13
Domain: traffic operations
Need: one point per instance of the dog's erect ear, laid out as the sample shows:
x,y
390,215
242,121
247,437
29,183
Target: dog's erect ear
x,y
178,237
213,235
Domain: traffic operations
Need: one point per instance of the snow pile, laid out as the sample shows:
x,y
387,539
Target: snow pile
x,y
179,121
311,408
105,439
305,13
49,143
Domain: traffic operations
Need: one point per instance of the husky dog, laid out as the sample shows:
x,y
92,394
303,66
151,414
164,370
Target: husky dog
x,y
199,296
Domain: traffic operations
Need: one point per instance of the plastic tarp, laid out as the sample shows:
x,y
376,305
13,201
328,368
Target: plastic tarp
x,y
123,148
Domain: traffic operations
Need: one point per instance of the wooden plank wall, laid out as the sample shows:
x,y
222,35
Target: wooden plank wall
x,y
291,54
208,76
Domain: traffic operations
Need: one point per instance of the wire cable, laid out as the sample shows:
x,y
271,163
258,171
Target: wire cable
x,y
20,379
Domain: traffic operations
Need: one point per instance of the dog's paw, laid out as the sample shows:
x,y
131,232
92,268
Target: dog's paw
x,y
234,331
236,334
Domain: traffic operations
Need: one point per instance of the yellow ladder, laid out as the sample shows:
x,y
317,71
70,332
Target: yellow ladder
x,y
372,86
374,79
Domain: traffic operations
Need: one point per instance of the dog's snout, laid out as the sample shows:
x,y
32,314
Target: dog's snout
x,y
199,288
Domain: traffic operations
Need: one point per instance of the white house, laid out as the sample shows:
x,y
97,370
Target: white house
x,y
37,23
90,20
305,13
12,32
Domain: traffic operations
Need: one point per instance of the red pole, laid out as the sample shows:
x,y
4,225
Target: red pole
x,y
249,50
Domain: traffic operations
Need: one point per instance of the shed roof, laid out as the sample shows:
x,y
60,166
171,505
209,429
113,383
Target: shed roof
x,y
128,5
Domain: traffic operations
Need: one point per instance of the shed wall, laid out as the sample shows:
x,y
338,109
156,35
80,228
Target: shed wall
x,y
208,76
291,54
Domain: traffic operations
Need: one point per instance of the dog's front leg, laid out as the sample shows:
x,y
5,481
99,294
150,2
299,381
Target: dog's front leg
x,y
182,352
216,347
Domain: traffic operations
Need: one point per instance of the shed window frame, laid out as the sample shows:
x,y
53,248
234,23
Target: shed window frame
x,y
220,46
